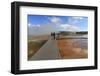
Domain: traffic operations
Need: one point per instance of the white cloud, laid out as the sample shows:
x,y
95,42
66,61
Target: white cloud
x,y
74,20
33,25
68,27
38,25
29,24
77,18
55,20
64,25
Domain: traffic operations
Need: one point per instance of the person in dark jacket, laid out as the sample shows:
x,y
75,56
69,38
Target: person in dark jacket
x,y
53,35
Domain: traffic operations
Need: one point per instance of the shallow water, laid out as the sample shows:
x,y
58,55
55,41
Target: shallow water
x,y
81,43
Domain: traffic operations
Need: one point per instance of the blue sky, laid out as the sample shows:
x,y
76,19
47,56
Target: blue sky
x,y
57,23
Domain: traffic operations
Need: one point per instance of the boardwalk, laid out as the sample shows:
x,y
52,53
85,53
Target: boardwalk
x,y
48,51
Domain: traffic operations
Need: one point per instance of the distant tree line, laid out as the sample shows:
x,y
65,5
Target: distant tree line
x,y
82,32
63,33
72,33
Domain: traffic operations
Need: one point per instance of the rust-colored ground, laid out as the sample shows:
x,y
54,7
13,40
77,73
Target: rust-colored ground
x,y
72,49
42,37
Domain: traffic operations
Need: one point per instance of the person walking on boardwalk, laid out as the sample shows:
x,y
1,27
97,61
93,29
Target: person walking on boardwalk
x,y
53,35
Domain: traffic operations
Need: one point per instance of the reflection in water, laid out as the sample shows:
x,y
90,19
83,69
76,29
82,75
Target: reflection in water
x,y
81,43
